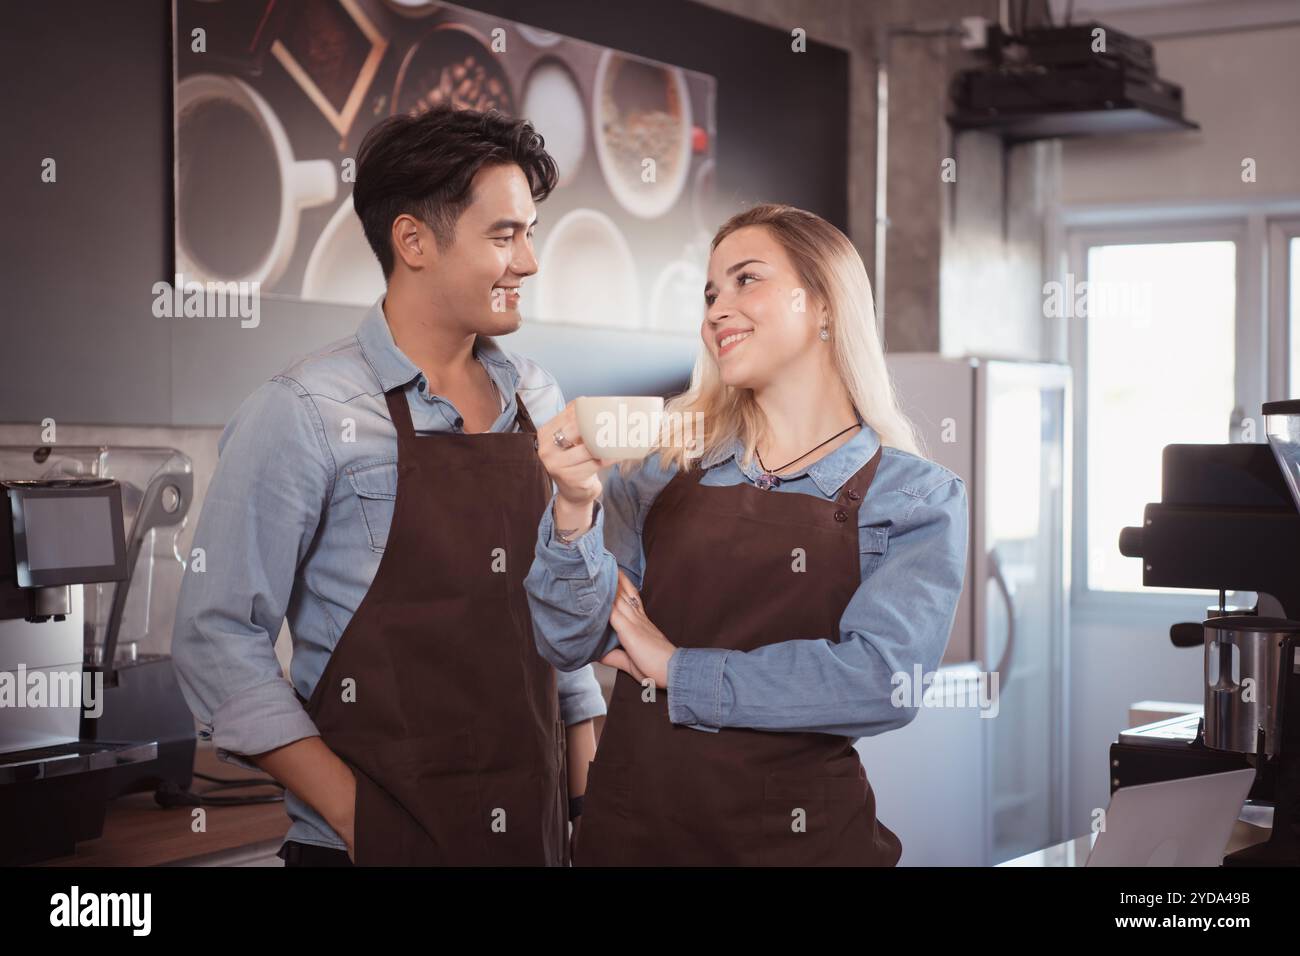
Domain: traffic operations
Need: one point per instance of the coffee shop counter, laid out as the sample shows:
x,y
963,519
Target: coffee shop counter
x,y
1252,826
138,832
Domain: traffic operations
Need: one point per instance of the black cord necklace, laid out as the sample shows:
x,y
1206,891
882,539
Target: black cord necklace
x,y
768,479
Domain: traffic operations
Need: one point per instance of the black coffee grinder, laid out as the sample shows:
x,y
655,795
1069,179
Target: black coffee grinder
x,y
1229,520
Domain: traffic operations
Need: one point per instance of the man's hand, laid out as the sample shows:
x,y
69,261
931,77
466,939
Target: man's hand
x,y
644,651
317,775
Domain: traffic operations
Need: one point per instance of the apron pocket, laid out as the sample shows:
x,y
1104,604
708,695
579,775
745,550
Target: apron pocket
x,y
380,829
806,820
605,777
424,811
522,819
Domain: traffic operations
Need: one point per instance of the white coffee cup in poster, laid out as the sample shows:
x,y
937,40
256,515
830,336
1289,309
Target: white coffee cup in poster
x,y
239,189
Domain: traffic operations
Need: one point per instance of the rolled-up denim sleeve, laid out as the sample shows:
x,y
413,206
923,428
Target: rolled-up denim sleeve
x,y
571,587
899,618
580,696
273,477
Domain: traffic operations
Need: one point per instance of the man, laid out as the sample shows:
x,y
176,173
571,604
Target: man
x,y
384,493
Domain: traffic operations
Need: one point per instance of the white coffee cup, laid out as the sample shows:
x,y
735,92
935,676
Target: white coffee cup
x,y
616,427
302,183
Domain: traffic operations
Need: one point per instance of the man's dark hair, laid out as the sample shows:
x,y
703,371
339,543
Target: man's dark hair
x,y
423,165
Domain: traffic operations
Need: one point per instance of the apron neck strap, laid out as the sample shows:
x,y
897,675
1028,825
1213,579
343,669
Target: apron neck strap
x,y
855,489
522,418
400,412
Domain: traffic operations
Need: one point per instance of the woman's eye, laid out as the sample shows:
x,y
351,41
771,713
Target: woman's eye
x,y
501,238
745,275
709,298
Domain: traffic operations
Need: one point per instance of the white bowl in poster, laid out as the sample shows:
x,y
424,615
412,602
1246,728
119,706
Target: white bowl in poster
x,y
554,105
587,274
677,298
624,132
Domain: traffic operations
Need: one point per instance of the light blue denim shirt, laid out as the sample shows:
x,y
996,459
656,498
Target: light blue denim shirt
x,y
912,539
294,525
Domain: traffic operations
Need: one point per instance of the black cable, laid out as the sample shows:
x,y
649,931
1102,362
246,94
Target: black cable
x,y
251,781
169,794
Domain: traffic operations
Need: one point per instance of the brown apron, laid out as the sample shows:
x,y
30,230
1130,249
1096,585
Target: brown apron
x,y
455,734
720,572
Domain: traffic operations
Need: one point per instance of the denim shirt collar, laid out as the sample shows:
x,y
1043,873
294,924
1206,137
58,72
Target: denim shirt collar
x,y
394,370
828,473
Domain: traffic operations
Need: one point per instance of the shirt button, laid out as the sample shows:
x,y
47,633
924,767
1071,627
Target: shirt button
x,y
853,495
535,444
841,516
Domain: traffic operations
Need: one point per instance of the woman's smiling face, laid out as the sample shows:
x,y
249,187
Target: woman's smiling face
x,y
758,318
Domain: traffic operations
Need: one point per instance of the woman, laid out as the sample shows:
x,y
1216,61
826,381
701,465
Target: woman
x,y
776,573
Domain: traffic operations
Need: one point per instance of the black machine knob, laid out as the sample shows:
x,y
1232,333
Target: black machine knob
x,y
1130,542
1187,635
1193,635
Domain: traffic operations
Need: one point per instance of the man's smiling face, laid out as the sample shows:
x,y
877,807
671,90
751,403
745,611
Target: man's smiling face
x,y
478,278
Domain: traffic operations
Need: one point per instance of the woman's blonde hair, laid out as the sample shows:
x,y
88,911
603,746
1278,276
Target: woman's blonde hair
x,y
831,272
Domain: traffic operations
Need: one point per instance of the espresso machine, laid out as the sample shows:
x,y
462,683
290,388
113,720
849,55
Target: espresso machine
x,y
1229,520
89,574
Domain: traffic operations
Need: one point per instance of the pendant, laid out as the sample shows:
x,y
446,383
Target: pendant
x,y
767,482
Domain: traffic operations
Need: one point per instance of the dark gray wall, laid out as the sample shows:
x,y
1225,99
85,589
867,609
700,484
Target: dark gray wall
x,y
89,87
89,84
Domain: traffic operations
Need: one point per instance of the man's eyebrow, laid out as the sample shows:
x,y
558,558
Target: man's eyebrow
x,y
511,224
739,265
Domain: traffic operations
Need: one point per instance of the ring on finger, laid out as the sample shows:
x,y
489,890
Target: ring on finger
x,y
562,441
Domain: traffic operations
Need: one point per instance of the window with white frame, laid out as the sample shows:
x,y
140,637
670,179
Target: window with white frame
x,y
1173,339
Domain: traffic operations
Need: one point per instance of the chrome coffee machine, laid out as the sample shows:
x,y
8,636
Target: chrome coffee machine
x,y
1229,520
89,706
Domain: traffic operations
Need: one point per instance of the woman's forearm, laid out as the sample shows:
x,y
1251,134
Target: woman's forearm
x,y
570,590
572,520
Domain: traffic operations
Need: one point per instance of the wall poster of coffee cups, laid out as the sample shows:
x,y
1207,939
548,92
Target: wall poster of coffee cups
x,y
272,99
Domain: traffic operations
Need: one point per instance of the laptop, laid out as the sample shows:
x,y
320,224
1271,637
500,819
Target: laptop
x,y
1185,822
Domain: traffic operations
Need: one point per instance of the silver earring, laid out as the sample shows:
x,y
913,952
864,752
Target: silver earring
x,y
825,333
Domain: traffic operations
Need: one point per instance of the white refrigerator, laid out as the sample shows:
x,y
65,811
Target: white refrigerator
x,y
970,783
